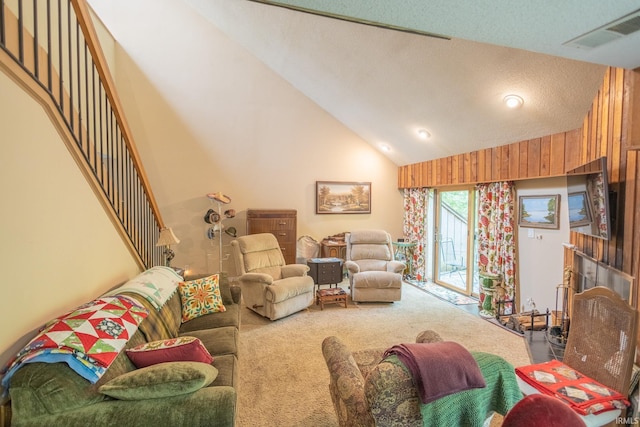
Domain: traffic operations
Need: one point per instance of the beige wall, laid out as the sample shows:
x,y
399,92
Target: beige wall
x,y
253,137
228,123
540,263
59,249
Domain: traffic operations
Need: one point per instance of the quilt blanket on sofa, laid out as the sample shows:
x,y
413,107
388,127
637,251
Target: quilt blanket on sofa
x,y
88,338
156,284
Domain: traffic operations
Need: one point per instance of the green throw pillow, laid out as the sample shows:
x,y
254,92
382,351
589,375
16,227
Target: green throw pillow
x,y
160,380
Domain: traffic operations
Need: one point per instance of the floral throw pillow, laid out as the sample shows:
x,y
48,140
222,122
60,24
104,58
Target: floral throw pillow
x,y
171,350
200,297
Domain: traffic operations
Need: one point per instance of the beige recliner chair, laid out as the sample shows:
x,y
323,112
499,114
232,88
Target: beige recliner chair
x,y
374,275
269,286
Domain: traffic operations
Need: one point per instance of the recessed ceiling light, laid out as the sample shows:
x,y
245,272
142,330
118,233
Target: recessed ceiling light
x,y
424,134
385,148
513,101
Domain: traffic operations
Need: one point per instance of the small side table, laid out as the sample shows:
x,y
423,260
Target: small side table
x,y
325,271
403,251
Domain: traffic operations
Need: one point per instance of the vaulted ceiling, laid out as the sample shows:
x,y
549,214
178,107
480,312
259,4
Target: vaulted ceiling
x,y
386,84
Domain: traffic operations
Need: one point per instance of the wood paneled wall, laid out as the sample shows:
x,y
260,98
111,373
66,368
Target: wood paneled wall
x,y
534,158
610,129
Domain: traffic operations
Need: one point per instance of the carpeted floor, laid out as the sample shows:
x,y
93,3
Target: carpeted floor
x,y
283,376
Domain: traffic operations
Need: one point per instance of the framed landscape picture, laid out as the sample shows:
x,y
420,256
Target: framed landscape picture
x,y
539,211
343,197
579,211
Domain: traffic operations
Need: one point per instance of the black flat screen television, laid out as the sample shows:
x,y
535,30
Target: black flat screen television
x,y
591,204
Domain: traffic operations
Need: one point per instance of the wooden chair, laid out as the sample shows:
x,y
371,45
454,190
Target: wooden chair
x,y
602,338
601,344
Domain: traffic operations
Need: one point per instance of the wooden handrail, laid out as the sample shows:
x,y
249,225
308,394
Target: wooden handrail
x,y
86,24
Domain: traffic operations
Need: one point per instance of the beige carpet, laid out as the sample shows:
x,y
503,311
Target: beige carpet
x,y
283,376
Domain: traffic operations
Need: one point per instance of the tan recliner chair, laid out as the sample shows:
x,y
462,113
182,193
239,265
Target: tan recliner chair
x,y
269,286
374,275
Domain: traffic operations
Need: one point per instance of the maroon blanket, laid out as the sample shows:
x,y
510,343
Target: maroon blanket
x,y
440,368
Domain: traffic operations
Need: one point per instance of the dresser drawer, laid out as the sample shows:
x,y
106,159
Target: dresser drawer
x,y
284,230
279,222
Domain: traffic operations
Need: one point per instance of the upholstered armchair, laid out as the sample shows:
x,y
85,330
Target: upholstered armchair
x,y
368,389
374,275
269,286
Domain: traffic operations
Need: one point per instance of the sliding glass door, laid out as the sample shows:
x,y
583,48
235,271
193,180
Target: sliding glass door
x,y
455,240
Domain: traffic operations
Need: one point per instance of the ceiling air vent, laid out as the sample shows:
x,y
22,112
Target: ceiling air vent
x,y
607,33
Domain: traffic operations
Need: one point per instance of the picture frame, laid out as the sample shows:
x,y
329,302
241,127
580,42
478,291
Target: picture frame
x,y
579,209
343,197
539,211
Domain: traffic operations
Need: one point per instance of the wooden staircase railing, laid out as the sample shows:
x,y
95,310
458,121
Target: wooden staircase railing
x,y
51,49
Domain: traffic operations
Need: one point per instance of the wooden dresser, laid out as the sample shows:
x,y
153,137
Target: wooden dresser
x,y
279,222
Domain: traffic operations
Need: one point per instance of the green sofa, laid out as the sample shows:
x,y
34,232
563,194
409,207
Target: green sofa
x,y
52,394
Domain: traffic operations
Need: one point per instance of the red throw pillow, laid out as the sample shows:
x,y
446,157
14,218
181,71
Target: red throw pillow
x,y
540,410
181,349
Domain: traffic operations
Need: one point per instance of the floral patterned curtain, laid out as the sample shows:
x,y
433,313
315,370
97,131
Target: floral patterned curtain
x,y
496,245
595,187
416,203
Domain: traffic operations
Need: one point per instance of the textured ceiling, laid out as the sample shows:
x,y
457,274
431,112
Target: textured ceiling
x,y
384,85
538,26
